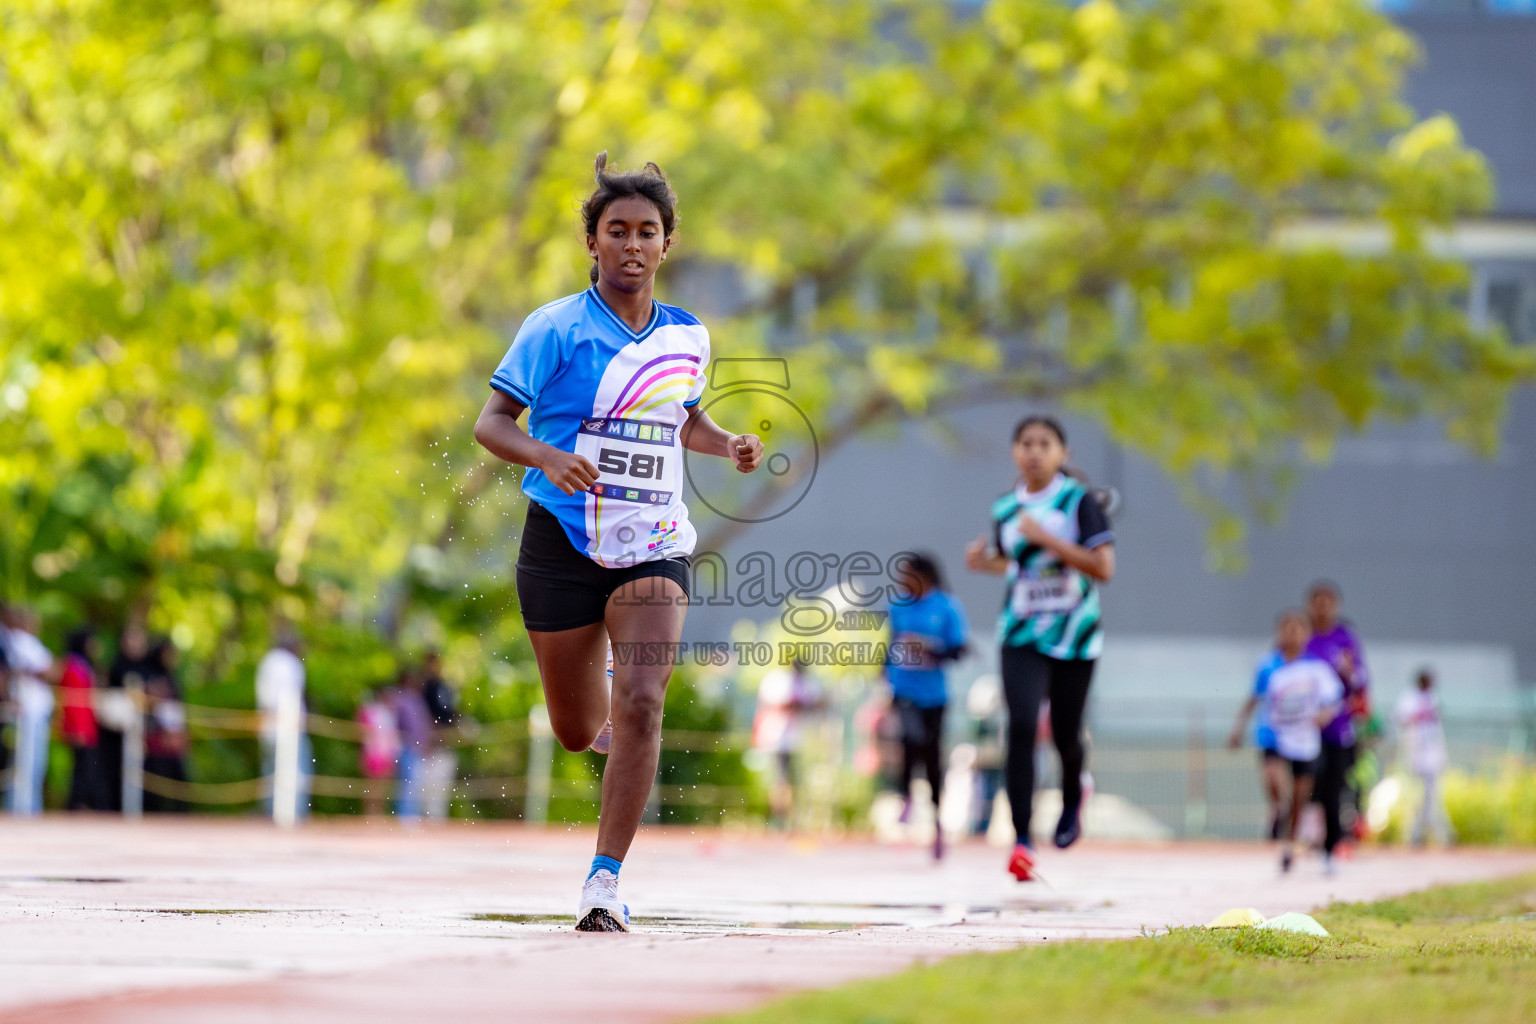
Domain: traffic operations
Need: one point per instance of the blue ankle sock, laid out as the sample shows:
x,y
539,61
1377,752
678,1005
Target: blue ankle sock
x,y
600,863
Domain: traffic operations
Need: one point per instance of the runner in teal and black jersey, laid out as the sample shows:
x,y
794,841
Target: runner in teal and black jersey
x,y
1051,538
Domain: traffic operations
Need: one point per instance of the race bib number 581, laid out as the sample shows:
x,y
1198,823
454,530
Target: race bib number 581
x,y
635,460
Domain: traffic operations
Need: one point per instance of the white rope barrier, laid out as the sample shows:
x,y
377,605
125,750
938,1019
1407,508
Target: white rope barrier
x,y
124,709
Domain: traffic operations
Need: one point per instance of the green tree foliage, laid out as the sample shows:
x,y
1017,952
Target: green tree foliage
x,y
257,258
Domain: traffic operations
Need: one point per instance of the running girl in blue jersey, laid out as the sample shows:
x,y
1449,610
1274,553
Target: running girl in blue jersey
x,y
1051,538
1301,696
1272,767
927,630
612,380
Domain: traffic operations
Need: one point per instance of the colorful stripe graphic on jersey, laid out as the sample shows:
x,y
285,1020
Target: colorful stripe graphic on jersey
x,y
1050,605
618,397
667,378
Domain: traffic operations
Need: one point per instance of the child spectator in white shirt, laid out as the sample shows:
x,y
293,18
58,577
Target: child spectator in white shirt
x,y
1423,736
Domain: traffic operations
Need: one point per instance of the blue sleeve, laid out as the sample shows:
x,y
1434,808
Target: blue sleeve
x,y
959,632
1261,680
531,362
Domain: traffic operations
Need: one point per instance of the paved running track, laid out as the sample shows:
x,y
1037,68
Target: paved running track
x,y
176,922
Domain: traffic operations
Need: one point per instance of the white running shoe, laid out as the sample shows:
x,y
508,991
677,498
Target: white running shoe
x,y
601,909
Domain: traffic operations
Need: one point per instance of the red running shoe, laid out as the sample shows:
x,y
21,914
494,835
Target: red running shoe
x,y
1022,864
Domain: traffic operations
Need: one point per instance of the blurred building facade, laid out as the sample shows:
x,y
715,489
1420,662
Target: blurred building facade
x,y
1430,543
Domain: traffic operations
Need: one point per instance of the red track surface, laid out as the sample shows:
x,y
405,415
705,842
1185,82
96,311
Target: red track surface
x,y
372,922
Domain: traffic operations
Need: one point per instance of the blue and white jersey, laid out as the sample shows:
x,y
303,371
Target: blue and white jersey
x,y
1296,694
1263,732
619,397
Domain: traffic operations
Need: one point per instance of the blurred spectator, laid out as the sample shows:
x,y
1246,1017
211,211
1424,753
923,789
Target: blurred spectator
x,y
878,728
380,749
1367,770
165,727
1423,738
5,689
984,703
280,684
130,671
785,698
30,664
87,786
1334,642
415,723
442,761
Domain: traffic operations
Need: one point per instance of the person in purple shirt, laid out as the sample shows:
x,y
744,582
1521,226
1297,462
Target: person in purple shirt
x,y
1335,642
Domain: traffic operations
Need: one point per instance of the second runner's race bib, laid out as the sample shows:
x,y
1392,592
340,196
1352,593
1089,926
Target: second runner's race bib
x,y
1050,594
636,461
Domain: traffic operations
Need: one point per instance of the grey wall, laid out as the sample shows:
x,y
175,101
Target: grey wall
x,y
1482,70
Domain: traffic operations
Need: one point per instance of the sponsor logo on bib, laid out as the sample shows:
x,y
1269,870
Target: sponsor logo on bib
x,y
636,460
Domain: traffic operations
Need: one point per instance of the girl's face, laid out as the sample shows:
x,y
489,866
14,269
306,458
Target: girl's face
x,y
912,583
135,644
1293,634
1323,604
1039,453
629,245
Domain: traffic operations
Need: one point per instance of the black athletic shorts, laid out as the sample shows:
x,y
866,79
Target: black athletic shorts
x,y
1302,769
561,588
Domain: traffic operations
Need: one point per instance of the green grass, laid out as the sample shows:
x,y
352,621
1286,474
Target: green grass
x,y
1466,953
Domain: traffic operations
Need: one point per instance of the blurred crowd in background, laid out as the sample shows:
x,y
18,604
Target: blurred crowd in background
x,y
123,722
115,713
201,432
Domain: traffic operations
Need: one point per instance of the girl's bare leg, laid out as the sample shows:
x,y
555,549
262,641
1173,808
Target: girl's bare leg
x,y
572,664
647,616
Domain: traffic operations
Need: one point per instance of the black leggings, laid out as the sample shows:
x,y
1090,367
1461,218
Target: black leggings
x,y
1028,678
1332,779
922,733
